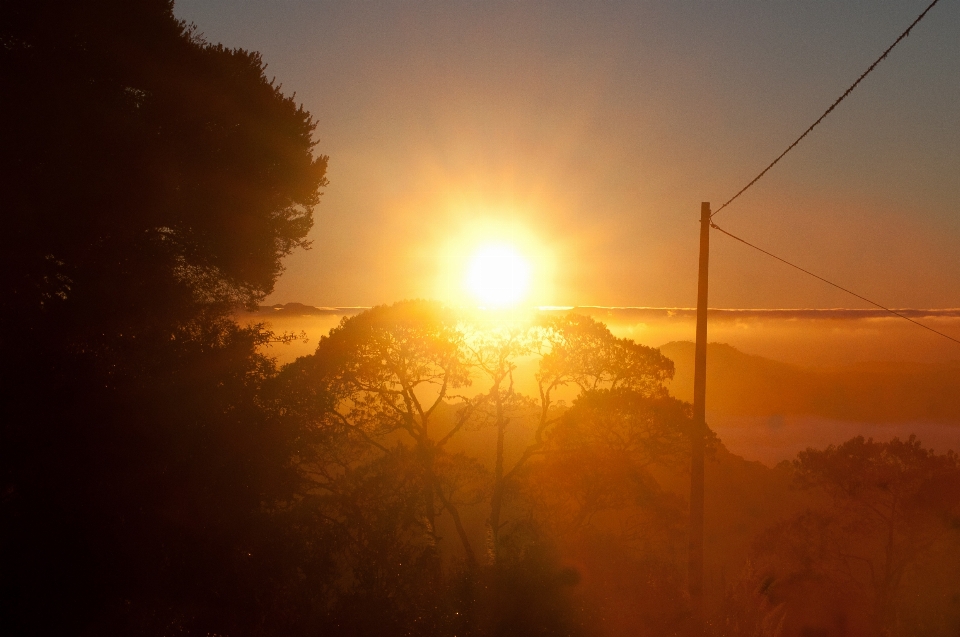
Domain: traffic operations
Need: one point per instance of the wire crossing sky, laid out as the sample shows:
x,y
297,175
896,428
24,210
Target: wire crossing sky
x,y
590,132
827,112
836,285
793,145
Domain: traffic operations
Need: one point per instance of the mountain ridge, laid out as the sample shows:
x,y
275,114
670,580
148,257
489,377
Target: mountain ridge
x,y
742,384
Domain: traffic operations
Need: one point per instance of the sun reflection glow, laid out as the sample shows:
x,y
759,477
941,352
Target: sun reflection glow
x,y
498,275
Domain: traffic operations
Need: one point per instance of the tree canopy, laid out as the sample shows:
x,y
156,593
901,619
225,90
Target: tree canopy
x,y
143,168
152,184
426,471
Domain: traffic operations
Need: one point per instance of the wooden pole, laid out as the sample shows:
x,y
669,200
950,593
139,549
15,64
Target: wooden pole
x,y
695,573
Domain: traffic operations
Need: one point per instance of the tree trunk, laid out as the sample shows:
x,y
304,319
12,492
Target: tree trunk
x,y
496,500
425,451
461,531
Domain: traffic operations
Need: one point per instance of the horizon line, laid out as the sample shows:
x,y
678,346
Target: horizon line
x,y
667,312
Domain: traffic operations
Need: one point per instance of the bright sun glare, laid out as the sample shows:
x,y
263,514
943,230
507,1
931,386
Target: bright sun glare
x,y
498,275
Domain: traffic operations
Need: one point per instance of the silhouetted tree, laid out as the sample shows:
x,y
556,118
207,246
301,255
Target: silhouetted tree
x,y
855,563
598,457
143,168
577,350
407,379
896,498
385,377
152,184
493,348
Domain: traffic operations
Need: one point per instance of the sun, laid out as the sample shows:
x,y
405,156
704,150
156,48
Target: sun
x,y
498,275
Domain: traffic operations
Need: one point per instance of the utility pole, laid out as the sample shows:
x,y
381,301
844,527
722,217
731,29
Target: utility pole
x,y
695,554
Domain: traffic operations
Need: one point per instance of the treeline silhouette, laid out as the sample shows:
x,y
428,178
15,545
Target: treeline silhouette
x,y
161,475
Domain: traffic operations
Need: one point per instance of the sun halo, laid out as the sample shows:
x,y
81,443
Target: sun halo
x,y
498,276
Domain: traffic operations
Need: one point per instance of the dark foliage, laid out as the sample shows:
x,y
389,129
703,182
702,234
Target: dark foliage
x,y
160,476
876,554
152,183
142,168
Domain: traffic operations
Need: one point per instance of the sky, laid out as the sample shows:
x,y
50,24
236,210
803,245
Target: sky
x,y
588,133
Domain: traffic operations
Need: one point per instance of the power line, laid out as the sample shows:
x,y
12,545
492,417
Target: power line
x,y
839,287
828,111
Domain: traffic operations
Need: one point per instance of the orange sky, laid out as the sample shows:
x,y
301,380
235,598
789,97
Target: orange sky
x,y
594,130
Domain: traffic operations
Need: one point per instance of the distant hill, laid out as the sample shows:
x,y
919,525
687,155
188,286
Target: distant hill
x,y
740,384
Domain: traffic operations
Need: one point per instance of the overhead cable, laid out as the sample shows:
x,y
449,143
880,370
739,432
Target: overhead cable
x,y
828,111
828,282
